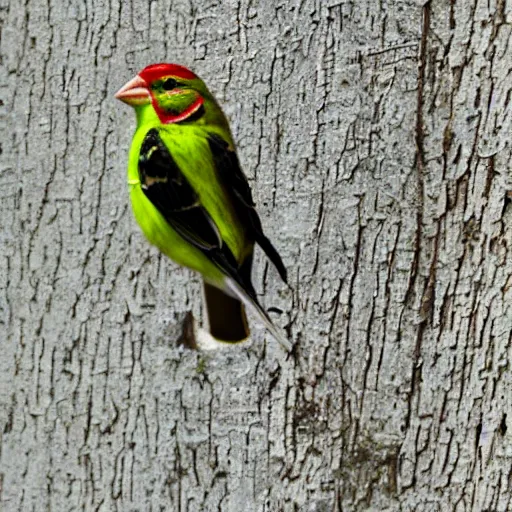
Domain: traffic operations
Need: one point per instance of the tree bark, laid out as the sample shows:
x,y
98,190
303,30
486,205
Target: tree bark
x,y
376,138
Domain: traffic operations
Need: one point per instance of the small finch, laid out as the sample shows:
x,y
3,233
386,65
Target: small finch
x,y
190,196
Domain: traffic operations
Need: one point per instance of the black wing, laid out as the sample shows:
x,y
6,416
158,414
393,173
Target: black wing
x,y
236,185
167,188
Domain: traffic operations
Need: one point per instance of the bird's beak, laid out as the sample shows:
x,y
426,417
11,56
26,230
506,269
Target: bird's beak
x,y
135,92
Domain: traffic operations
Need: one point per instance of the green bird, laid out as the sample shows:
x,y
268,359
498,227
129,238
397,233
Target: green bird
x,y
190,196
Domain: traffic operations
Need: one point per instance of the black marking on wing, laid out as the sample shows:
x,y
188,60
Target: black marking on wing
x,y
235,182
168,189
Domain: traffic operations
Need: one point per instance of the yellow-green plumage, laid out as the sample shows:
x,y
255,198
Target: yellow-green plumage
x,y
188,146
188,194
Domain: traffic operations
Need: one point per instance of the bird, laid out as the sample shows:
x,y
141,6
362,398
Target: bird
x,y
191,198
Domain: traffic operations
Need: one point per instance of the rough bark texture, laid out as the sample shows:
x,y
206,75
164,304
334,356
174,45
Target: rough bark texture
x,y
376,137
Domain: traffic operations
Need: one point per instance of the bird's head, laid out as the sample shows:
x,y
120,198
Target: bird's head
x,y
174,92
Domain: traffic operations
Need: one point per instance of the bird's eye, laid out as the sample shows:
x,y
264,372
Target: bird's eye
x,y
169,84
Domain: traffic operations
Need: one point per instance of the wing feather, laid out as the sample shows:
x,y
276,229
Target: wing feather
x,y
237,187
168,189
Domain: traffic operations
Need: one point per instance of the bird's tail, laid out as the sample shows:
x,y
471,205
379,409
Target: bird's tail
x,y
226,315
255,307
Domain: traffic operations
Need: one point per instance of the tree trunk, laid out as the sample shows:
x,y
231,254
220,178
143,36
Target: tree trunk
x,y
376,138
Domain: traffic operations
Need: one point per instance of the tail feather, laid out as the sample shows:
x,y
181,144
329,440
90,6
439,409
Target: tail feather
x,y
273,255
255,307
226,315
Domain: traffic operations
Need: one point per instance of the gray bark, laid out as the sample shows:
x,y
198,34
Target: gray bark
x,y
376,137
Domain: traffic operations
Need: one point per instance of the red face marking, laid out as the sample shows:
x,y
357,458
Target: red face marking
x,y
156,71
166,117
